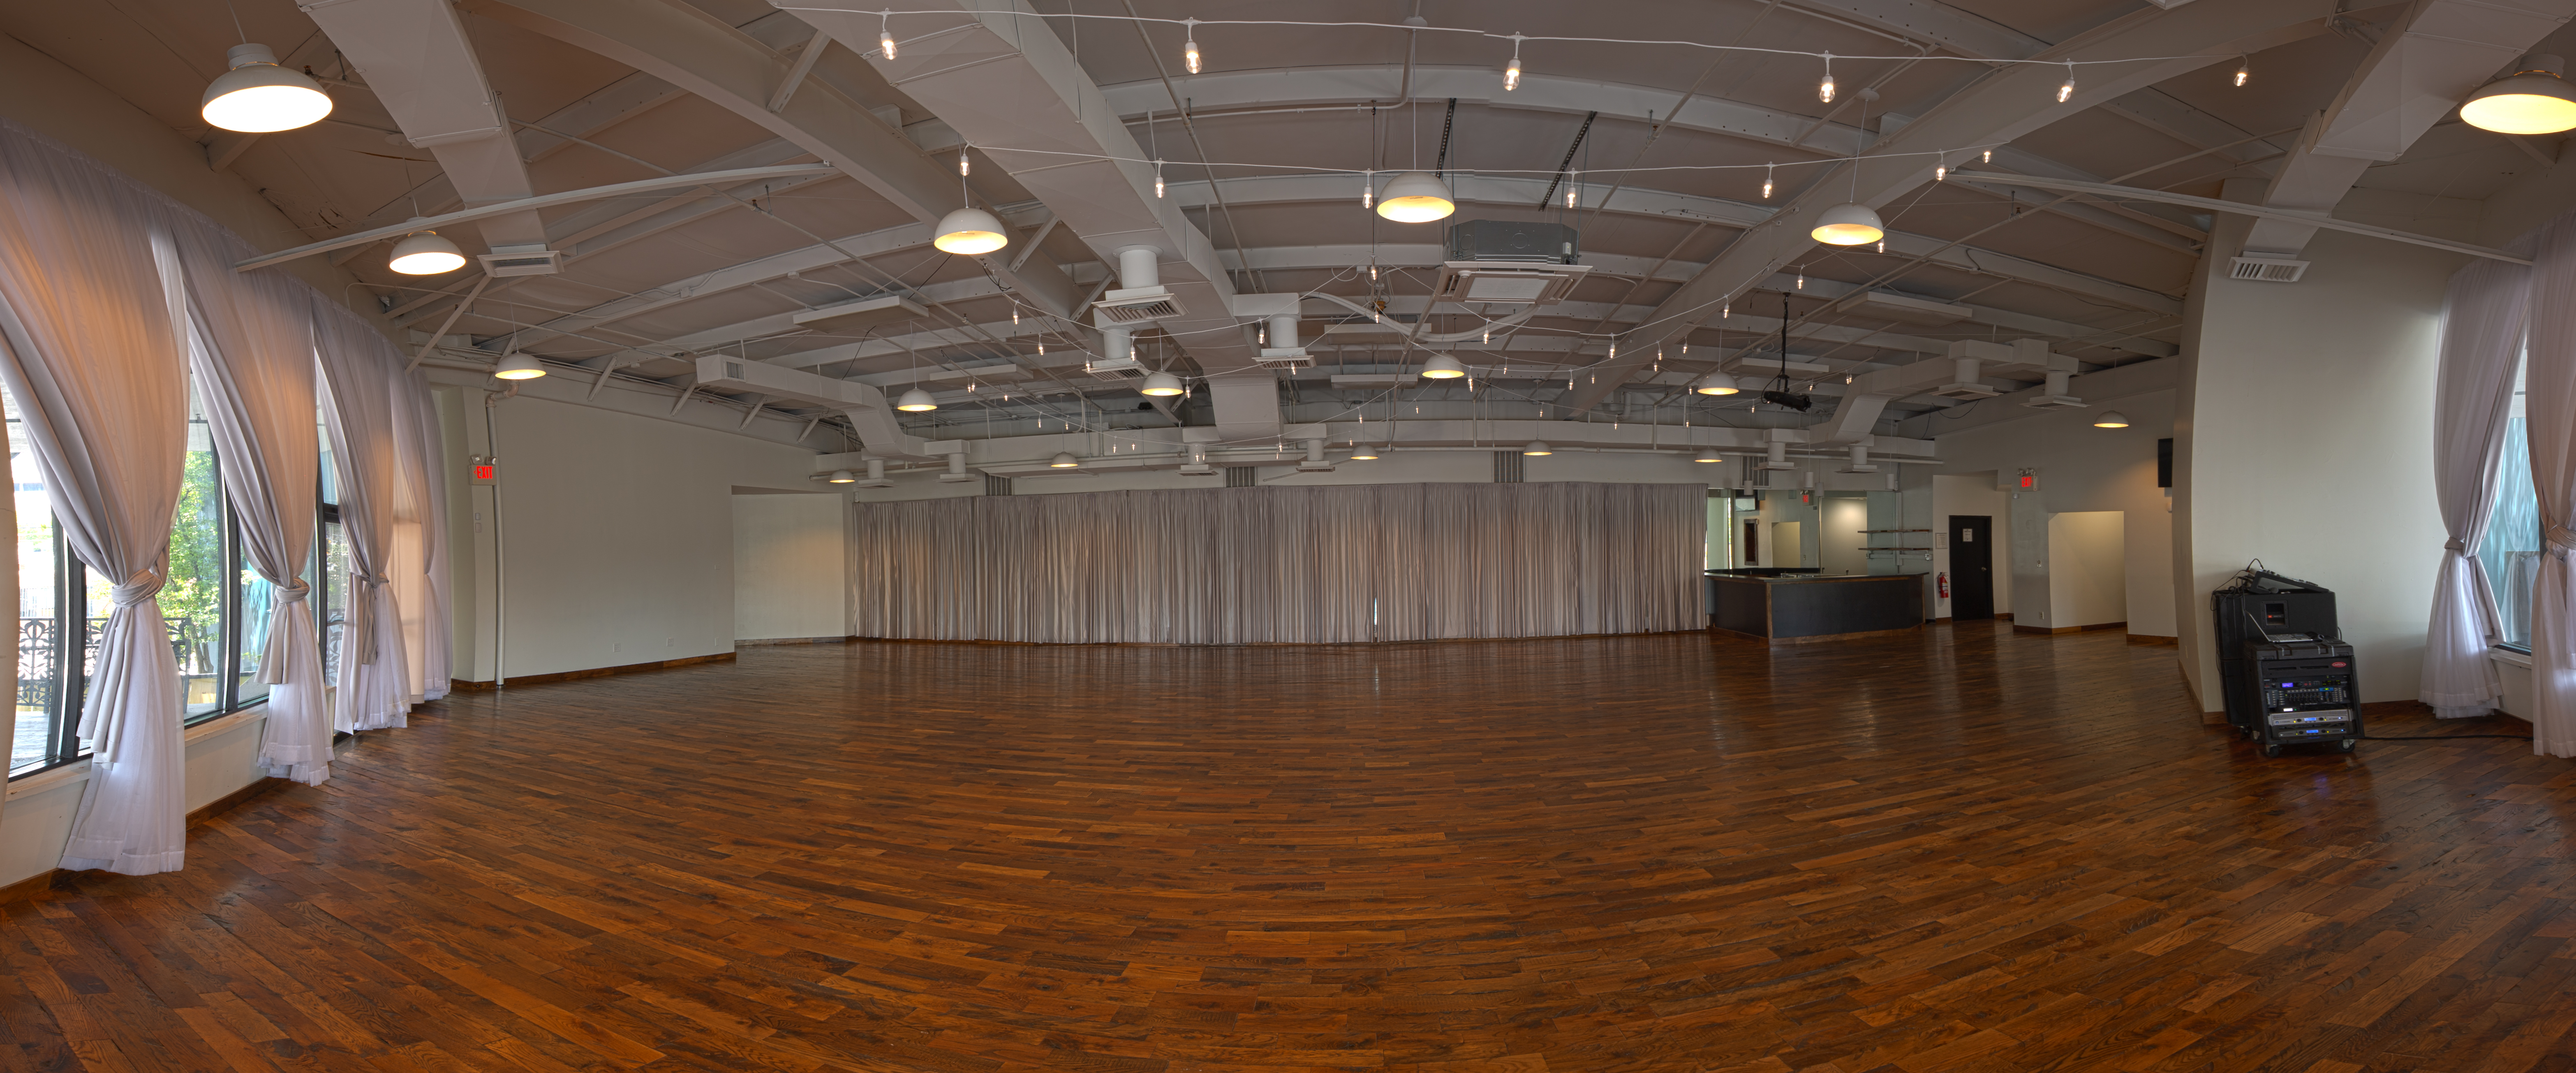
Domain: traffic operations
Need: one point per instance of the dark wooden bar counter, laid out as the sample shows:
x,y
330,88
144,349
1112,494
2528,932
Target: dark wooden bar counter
x,y
1802,608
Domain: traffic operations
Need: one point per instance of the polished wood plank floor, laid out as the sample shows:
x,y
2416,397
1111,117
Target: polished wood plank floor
x,y
1963,850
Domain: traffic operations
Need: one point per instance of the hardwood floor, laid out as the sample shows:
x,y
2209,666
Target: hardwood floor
x,y
1956,850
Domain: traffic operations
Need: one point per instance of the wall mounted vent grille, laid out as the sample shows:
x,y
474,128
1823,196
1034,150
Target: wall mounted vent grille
x,y
1507,467
2266,269
1238,476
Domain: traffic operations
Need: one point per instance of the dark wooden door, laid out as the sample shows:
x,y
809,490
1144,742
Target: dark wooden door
x,y
1752,542
1972,567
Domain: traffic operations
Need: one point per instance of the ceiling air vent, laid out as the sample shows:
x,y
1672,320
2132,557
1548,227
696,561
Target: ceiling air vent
x,y
1117,371
733,370
1137,305
2266,269
1476,281
520,261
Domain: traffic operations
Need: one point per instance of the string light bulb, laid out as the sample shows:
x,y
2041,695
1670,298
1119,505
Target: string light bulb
x,y
1882,245
885,32
1802,279
1368,188
964,164
1158,177
1512,72
1825,89
1766,182
2067,91
2244,70
1570,179
1015,315
1190,45
1989,157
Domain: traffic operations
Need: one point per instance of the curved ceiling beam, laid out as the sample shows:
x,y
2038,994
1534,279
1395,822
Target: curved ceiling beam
x,y
695,51
2001,107
419,64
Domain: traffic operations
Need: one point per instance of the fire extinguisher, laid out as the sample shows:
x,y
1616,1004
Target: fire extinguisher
x,y
1945,585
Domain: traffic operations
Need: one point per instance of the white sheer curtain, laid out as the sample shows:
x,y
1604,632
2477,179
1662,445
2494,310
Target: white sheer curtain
x,y
1283,565
2549,407
419,451
255,375
2483,319
358,367
89,345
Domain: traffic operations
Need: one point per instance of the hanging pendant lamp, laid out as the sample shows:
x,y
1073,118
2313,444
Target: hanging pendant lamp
x,y
1416,197
1161,385
916,401
424,253
1715,384
970,231
259,97
2111,419
1063,460
2535,99
1442,367
1536,448
518,366
1849,224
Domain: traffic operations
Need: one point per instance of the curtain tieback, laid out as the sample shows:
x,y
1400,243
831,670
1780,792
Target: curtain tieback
x,y
2453,545
2559,539
293,592
144,585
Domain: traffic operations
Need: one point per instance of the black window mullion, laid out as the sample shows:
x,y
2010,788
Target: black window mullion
x,y
71,632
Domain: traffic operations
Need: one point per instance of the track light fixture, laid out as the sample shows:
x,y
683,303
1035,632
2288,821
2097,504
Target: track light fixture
x,y
256,96
518,365
2535,99
423,253
916,401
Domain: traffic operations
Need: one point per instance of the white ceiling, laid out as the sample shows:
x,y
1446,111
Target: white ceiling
x,y
654,275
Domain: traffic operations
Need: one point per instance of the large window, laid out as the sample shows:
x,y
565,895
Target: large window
x,y
2511,552
211,605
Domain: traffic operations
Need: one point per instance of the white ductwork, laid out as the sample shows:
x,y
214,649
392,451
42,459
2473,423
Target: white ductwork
x,y
1314,461
876,476
1860,459
1776,448
1283,333
865,406
1139,267
956,469
2431,59
2059,392
415,57
1955,376
999,77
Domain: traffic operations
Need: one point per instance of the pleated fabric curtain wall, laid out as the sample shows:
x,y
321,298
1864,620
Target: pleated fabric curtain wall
x,y
1282,565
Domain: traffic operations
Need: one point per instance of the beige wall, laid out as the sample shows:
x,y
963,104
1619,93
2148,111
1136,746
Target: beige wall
x,y
2305,441
2088,577
2081,468
791,558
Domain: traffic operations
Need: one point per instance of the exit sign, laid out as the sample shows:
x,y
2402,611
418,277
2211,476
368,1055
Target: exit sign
x,y
487,472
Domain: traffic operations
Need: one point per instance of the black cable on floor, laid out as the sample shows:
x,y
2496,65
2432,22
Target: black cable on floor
x,y
2447,737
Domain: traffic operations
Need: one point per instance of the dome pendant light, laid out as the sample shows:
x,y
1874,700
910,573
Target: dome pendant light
x,y
1416,197
1161,385
423,253
916,401
2111,419
1852,223
518,365
842,476
1363,453
1442,367
259,97
2535,99
1709,455
970,231
1537,448
1063,460
1716,384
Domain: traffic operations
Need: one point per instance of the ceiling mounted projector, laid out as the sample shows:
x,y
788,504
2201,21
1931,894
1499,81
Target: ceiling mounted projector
x,y
259,97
